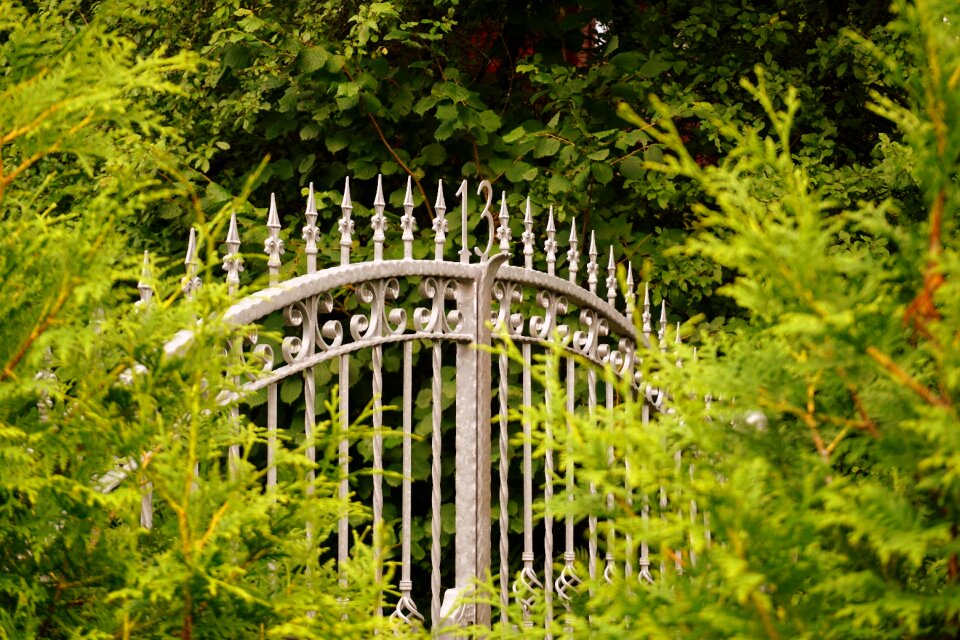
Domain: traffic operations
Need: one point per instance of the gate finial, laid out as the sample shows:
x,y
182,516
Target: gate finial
x,y
273,245
191,282
310,231
346,223
378,221
527,237
407,222
592,265
232,262
629,295
612,280
503,231
573,255
440,225
550,246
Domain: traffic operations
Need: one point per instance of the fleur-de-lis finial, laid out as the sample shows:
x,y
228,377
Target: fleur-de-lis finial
x,y
273,245
592,266
573,254
378,221
662,331
440,226
232,262
645,317
550,246
346,224
190,282
527,237
407,222
612,280
629,295
143,286
310,231
503,231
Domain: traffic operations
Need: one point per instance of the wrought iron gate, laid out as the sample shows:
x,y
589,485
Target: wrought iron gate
x,y
475,303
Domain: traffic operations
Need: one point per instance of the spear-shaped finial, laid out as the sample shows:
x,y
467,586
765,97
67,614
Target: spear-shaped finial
x,y
190,282
310,231
527,237
232,262
573,254
645,316
378,221
273,245
550,246
503,231
612,280
407,222
346,224
143,286
440,226
592,266
630,296
662,331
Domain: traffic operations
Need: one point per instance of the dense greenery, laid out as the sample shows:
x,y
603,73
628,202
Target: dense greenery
x,y
821,194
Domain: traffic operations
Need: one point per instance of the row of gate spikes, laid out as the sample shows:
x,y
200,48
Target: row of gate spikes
x,y
274,248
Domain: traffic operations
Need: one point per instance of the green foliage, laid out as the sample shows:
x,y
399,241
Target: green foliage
x,y
89,395
835,515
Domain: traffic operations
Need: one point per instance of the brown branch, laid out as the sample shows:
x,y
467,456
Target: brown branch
x,y
39,330
403,165
894,370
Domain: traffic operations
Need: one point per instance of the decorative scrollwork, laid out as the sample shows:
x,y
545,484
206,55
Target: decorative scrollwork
x,y
507,294
381,321
588,342
554,305
437,319
313,335
567,582
526,588
406,609
261,354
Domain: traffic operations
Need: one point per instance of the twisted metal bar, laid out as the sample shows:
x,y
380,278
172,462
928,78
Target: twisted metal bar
x,y
377,364
504,489
406,609
526,585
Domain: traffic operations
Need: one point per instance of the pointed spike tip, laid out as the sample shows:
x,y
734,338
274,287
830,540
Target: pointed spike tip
x,y
346,203
408,198
630,277
233,236
504,213
663,311
528,214
550,225
573,229
593,244
611,264
646,293
378,200
311,202
273,218
440,203
191,246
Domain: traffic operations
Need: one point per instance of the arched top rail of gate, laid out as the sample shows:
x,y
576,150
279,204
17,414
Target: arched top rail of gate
x,y
606,333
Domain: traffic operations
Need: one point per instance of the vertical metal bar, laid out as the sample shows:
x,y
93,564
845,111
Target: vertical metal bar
x,y
346,226
377,365
548,498
343,524
527,582
504,489
309,420
609,561
406,608
436,449
271,438
592,519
